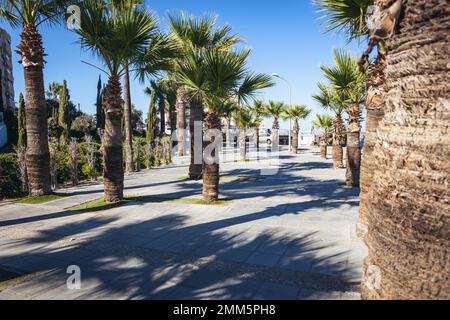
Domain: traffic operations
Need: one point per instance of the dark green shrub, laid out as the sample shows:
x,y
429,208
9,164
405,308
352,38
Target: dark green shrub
x,y
9,176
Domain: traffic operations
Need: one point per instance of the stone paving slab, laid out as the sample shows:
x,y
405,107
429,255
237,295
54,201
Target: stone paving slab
x,y
288,236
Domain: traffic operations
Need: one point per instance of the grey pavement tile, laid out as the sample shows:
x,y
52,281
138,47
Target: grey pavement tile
x,y
274,291
263,259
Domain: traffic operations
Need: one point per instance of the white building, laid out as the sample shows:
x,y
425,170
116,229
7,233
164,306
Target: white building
x,y
6,82
306,138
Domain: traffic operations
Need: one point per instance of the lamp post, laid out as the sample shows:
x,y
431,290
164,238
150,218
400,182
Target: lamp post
x,y
276,75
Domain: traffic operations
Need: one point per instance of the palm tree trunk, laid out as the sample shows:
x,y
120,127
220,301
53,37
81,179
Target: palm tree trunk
x,y
337,143
182,102
242,144
295,132
353,160
211,164
129,166
323,149
38,154
196,116
112,142
375,112
408,202
275,135
228,134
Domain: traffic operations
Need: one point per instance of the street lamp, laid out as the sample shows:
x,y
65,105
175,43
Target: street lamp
x,y
276,75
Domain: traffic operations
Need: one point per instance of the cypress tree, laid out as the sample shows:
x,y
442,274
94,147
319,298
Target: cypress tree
x,y
151,119
63,119
98,104
21,123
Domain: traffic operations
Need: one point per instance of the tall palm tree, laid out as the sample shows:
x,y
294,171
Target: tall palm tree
x,y
274,110
228,109
192,33
349,16
408,209
323,122
216,76
295,113
29,15
114,36
245,120
258,111
329,99
348,81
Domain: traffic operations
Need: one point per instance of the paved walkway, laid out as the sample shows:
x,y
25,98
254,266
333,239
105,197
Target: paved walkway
x,y
284,236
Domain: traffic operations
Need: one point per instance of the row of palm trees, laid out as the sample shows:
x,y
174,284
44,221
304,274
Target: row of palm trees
x,y
404,203
345,93
250,117
199,59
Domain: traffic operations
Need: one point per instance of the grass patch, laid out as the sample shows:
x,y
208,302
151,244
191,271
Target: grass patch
x,y
156,199
41,199
241,178
100,205
7,277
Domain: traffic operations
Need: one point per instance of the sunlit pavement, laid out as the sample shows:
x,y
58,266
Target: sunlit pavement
x,y
289,235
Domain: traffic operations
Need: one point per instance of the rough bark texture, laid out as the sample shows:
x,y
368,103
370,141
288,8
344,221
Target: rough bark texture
x,y
295,132
408,204
338,153
112,142
375,112
353,159
196,115
181,104
129,165
211,171
38,154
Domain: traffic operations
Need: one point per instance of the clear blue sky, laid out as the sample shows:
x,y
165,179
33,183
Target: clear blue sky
x,y
285,36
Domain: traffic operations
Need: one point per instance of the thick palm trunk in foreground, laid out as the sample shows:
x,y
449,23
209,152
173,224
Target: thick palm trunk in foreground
x,y
38,154
196,115
211,169
337,143
295,132
112,142
408,203
129,165
353,146
375,112
182,101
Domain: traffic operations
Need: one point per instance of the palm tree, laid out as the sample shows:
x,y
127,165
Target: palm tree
x,y
348,83
228,109
408,201
216,76
350,16
295,113
114,36
245,120
30,15
258,111
325,123
191,33
274,109
329,99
